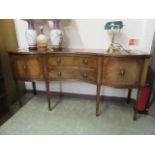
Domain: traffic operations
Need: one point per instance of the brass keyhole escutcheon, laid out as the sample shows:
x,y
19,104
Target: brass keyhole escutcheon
x,y
59,74
25,67
58,60
85,61
85,75
122,72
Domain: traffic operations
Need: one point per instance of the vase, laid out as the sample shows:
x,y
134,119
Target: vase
x,y
56,35
31,36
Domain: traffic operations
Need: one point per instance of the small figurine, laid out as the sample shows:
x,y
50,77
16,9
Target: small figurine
x,y
42,41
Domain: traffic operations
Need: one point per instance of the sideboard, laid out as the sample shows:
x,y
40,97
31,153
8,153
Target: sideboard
x,y
124,70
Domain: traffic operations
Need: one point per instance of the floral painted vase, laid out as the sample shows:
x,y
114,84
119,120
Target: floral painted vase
x,y
31,36
56,35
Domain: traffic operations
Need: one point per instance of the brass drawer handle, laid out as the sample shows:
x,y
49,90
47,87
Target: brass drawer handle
x,y
58,60
59,74
85,61
122,72
85,75
25,67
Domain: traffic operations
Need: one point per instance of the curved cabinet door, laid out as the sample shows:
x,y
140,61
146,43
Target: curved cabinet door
x,y
28,67
122,72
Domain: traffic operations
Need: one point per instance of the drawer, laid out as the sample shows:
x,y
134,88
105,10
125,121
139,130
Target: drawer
x,y
60,60
64,74
28,67
78,61
87,76
121,72
57,74
86,61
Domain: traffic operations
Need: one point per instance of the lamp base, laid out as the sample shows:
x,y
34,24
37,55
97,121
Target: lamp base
x,y
112,49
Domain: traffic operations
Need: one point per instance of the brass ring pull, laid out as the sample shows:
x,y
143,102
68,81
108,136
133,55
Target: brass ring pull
x,y
58,60
85,61
85,75
122,72
59,74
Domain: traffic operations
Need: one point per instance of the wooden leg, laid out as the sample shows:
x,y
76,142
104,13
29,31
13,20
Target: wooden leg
x,y
34,88
48,95
18,94
98,100
135,106
129,96
60,95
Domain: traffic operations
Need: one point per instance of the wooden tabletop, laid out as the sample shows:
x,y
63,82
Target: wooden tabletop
x,y
104,52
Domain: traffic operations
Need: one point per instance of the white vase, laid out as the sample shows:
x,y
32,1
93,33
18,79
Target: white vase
x,y
31,37
56,37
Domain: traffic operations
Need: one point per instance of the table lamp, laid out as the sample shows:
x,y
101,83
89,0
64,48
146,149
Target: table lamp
x,y
113,28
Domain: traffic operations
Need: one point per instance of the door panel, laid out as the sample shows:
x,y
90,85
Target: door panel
x,y
121,72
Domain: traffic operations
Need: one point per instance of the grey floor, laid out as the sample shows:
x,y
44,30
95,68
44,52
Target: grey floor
x,y
76,116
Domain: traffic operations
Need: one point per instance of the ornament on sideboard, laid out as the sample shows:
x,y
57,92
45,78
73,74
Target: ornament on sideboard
x,y
53,32
42,41
114,27
56,34
31,35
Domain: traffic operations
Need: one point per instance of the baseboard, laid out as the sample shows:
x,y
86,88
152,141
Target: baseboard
x,y
85,96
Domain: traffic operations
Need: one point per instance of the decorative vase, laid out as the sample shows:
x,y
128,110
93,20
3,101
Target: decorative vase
x,y
56,35
42,41
31,36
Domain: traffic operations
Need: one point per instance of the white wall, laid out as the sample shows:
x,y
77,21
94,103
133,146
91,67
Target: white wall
x,y
149,29
90,34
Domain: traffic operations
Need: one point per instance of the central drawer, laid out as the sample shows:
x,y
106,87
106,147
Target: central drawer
x,y
64,74
76,61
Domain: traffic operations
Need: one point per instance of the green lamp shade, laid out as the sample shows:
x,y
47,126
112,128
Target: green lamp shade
x,y
116,25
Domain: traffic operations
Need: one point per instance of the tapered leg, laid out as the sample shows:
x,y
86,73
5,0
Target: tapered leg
x,y
98,100
135,105
60,95
48,95
34,88
129,96
18,93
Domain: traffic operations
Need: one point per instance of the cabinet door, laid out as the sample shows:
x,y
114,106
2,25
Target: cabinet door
x,y
27,67
122,72
19,67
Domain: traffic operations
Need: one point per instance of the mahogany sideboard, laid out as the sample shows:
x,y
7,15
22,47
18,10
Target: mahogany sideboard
x,y
124,70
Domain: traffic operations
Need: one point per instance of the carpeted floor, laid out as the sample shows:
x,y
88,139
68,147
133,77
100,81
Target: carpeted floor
x,y
76,116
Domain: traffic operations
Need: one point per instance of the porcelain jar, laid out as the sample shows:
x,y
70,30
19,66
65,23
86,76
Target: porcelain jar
x,y
31,36
56,35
